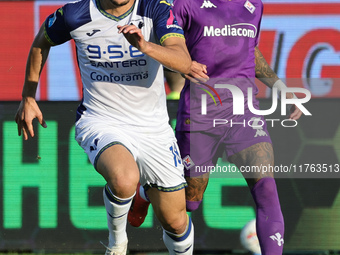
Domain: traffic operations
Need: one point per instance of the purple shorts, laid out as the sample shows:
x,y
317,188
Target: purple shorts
x,y
203,148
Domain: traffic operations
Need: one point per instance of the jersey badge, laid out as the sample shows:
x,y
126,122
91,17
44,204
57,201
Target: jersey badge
x,y
187,162
249,6
54,18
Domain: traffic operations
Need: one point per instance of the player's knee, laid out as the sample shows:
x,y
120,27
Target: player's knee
x,y
192,205
176,223
124,188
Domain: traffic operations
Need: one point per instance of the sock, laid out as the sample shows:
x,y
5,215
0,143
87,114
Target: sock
x,y
143,194
269,218
192,205
116,212
180,244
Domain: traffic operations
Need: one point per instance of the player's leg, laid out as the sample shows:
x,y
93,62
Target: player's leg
x,y
117,166
161,173
195,190
107,151
197,149
178,230
193,194
197,181
269,218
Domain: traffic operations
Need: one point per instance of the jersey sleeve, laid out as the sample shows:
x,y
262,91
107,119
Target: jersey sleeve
x,y
56,30
259,25
165,24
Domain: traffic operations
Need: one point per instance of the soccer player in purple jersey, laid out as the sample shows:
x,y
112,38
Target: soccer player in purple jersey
x,y
222,38
122,121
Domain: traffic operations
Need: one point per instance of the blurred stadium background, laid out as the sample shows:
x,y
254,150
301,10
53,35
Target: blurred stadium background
x,y
51,196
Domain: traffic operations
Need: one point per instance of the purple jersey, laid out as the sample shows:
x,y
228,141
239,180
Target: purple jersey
x,y
222,35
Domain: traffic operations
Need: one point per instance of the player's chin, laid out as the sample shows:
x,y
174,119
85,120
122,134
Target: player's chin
x,y
118,3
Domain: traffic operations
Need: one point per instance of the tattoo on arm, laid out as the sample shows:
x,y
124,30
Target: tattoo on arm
x,y
263,71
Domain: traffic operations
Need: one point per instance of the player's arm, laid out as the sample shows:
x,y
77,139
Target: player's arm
x,y
263,71
266,75
173,52
28,108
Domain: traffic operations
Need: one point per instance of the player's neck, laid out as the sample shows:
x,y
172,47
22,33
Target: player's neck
x,y
116,7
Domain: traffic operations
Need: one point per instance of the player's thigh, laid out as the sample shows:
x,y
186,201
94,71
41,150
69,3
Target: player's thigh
x,y
111,151
118,167
255,162
169,208
160,162
199,151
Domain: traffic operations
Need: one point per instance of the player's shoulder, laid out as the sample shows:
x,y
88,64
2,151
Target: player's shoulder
x,y
77,13
150,6
76,6
256,3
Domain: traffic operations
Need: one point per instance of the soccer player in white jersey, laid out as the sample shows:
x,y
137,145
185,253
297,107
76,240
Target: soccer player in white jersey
x,y
122,121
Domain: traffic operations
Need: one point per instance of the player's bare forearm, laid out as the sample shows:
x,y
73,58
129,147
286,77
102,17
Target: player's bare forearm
x,y
173,54
35,62
263,71
28,108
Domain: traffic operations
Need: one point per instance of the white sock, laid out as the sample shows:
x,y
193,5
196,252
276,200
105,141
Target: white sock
x,y
180,244
116,211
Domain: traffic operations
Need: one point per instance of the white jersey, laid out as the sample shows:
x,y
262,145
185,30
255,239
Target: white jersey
x,y
120,83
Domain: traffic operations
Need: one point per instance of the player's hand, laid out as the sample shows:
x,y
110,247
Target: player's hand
x,y
134,36
27,111
294,112
198,73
